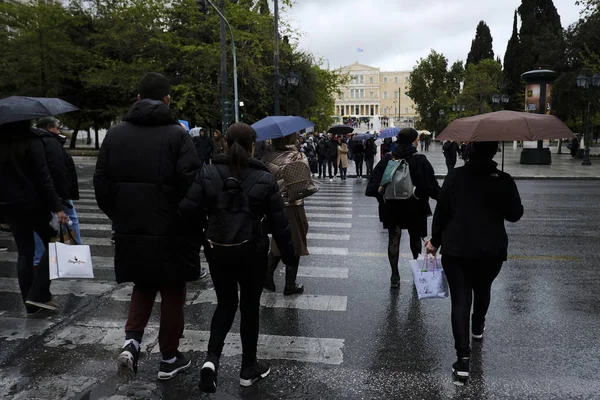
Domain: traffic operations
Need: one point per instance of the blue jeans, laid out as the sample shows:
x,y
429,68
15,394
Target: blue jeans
x,y
39,245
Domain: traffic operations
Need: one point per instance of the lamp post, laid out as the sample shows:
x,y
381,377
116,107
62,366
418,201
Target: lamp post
x,y
291,80
500,99
587,84
458,108
276,81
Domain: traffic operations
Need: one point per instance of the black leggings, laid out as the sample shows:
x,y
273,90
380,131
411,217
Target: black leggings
x,y
358,160
250,275
468,279
395,234
34,284
369,162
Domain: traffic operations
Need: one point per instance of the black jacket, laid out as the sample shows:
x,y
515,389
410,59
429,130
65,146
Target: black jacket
x,y
413,212
370,149
204,147
359,149
450,150
331,149
61,165
144,169
25,179
469,217
265,201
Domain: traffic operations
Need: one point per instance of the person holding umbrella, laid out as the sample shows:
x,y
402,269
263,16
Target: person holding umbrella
x,y
468,224
370,152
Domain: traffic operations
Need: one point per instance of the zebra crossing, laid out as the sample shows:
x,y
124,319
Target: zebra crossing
x,y
329,213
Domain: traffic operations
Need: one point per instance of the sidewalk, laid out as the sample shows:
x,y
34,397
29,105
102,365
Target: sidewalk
x,y
563,166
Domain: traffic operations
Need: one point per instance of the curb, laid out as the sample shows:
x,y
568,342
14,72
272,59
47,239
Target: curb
x,y
535,178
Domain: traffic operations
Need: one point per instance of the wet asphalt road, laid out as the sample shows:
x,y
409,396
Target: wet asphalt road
x,y
350,337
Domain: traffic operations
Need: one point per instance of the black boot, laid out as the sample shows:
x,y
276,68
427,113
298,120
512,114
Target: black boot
x,y
291,287
272,263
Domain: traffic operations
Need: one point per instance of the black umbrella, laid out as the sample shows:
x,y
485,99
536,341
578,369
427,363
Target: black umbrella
x,y
340,129
22,108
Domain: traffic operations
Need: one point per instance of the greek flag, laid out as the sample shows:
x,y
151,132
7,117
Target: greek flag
x,y
359,50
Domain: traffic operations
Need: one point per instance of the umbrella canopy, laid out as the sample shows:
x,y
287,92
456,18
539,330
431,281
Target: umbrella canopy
x,y
340,129
426,133
389,133
22,108
506,126
362,136
280,126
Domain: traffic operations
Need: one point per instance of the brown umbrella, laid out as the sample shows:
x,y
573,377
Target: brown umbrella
x,y
506,126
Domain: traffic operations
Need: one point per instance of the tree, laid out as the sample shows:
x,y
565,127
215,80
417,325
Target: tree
x,y
512,72
482,81
482,45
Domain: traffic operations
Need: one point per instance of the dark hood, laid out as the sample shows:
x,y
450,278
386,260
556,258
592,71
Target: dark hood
x,y
148,112
481,167
254,163
403,151
44,133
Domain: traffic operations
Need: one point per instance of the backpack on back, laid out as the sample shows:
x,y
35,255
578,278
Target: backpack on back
x,y
230,232
400,186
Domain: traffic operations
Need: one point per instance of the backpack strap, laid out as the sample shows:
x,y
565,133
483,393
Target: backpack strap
x,y
250,180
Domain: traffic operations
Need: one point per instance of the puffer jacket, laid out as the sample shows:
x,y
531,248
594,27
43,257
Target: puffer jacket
x,y
276,160
145,168
265,201
61,165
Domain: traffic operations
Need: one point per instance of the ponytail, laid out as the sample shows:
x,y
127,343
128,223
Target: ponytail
x,y
240,139
238,160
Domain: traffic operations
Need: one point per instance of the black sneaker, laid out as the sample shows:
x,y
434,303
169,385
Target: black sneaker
x,y
477,332
208,375
269,283
168,371
249,375
293,289
460,369
127,362
395,282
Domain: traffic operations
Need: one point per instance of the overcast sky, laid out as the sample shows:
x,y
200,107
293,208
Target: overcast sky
x,y
394,34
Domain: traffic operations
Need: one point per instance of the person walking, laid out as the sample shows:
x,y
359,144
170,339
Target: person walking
x,y
410,214
465,151
322,157
427,142
236,265
422,142
468,224
342,158
204,146
370,152
386,146
331,154
155,248
284,154
359,156
450,150
64,176
219,145
27,199
574,147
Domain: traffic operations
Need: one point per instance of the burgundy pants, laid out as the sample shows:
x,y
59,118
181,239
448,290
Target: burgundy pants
x,y
171,315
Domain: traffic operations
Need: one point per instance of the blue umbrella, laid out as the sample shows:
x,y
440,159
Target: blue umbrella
x,y
23,108
362,136
280,126
389,132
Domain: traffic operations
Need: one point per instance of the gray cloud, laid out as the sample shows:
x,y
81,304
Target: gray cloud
x,y
396,33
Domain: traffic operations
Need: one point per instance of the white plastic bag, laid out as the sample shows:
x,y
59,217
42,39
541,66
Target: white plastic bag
x,y
428,275
70,262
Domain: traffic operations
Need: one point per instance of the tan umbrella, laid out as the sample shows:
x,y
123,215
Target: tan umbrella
x,y
506,126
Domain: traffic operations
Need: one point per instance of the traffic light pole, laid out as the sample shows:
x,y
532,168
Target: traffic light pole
x,y
225,113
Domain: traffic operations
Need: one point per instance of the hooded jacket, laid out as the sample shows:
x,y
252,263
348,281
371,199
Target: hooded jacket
x,y
144,169
204,147
61,165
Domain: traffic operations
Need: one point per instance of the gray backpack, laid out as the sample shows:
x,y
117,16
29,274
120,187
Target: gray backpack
x,y
400,186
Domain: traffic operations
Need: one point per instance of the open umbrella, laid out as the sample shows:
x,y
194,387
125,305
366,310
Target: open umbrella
x,y
280,126
424,132
23,108
362,136
340,129
506,126
388,133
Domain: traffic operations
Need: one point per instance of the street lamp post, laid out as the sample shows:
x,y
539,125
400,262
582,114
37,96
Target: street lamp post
x,y
291,80
276,82
498,99
587,83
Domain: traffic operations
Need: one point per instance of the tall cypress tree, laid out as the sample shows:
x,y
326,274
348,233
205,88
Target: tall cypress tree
x,y
512,67
481,46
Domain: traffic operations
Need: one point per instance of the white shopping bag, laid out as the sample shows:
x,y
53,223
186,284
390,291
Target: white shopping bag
x,y
428,275
70,261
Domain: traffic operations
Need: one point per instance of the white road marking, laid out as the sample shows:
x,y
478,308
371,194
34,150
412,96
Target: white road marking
x,y
97,261
332,216
327,236
320,224
84,201
13,328
368,216
91,215
317,208
330,251
77,288
94,227
327,202
323,272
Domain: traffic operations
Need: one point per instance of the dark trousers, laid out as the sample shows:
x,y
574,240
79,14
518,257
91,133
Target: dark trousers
x,y
322,167
332,164
450,163
250,276
470,281
358,160
34,284
369,161
171,315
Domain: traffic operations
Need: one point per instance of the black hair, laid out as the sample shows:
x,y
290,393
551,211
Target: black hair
x,y
240,138
407,136
154,86
483,150
15,138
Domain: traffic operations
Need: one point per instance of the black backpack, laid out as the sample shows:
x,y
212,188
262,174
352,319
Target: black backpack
x,y
231,233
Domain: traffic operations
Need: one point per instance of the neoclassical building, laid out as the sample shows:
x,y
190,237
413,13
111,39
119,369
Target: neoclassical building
x,y
370,92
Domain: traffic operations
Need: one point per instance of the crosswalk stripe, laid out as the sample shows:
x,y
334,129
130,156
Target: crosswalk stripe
x,y
323,272
271,347
94,227
333,216
330,251
97,261
320,208
13,328
91,215
77,288
327,236
331,198
327,202
320,224
86,207
85,201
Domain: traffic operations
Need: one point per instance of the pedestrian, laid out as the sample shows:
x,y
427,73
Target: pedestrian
x,y
331,154
219,145
574,147
64,176
322,156
469,226
370,152
359,156
450,151
155,248
238,265
284,154
342,158
27,198
427,142
422,141
410,214
311,154
385,147
465,151
204,146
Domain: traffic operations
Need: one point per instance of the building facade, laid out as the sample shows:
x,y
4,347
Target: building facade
x,y
371,92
